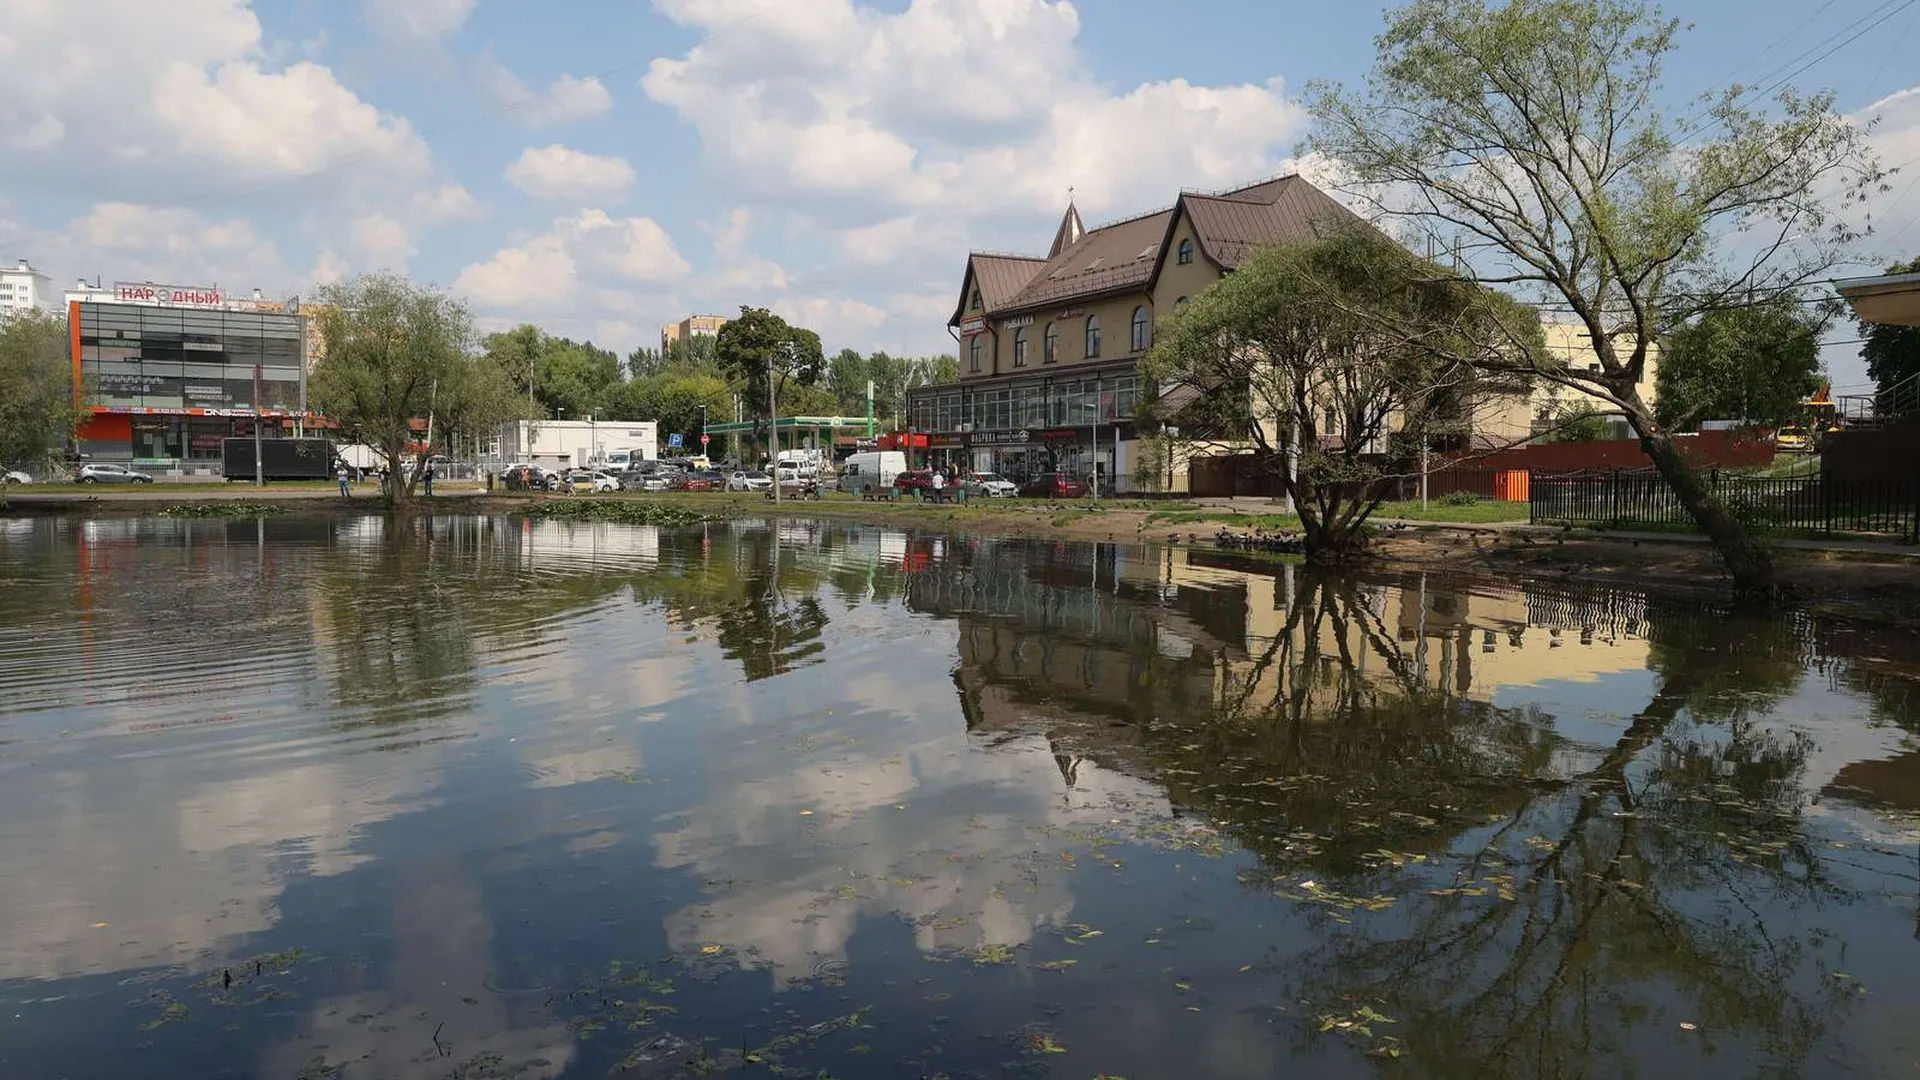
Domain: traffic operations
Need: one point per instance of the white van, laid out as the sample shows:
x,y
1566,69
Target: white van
x,y
872,470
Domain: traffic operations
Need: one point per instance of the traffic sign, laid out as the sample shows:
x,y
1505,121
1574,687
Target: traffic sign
x,y
705,439
673,441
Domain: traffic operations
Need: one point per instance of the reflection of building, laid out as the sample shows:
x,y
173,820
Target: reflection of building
x,y
22,288
1050,346
168,372
693,326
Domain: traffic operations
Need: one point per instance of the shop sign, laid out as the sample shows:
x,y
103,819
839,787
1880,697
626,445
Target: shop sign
x,y
1070,313
1059,434
146,292
1016,322
973,327
998,438
944,442
210,393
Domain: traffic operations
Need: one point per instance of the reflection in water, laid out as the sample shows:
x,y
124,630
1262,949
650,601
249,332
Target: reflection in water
x,y
319,796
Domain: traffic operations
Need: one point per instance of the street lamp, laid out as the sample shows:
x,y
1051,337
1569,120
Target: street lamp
x,y
1095,406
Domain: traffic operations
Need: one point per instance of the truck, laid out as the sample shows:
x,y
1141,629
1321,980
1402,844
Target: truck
x,y
280,459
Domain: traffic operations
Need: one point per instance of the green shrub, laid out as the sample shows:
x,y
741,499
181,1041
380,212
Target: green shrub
x,y
1459,498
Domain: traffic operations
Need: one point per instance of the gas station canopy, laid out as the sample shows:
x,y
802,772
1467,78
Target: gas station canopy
x,y
792,423
1891,299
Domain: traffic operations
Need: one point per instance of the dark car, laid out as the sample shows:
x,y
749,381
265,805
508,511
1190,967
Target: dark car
x,y
1053,485
523,478
698,481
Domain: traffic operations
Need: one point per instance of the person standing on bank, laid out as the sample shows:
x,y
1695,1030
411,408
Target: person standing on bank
x,y
939,483
345,491
426,477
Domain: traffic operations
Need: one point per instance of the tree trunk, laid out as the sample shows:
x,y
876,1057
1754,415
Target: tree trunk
x,y
1745,557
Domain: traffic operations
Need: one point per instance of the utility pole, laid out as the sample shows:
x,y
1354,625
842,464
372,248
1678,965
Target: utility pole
x,y
259,468
773,432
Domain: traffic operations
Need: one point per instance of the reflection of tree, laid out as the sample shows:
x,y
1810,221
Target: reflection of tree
x,y
1590,885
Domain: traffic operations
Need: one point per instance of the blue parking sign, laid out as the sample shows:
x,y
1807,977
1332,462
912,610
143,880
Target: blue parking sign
x,y
673,441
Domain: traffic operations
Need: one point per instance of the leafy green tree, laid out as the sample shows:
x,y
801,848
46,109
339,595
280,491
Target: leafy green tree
x,y
1755,364
701,351
644,361
1530,132
759,346
847,375
399,372
1326,348
37,409
517,352
1892,353
573,377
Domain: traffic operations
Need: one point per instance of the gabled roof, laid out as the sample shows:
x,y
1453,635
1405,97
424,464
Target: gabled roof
x,y
1234,225
998,277
1127,254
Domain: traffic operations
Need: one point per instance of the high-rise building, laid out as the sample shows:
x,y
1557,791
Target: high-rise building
x,y
691,327
23,288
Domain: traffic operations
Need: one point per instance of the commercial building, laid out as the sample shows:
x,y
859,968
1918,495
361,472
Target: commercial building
x,y
1515,418
167,372
566,444
1050,346
22,288
691,327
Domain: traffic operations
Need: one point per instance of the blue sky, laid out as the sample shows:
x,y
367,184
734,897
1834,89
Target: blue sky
x,y
601,167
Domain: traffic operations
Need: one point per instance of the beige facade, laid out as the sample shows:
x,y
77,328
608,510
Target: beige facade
x,y
1513,419
691,327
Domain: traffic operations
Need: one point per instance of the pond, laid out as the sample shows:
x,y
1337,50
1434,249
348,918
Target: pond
x,y
469,797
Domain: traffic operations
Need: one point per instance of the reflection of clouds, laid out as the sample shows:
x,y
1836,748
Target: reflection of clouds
x,y
583,766
173,886
935,831
437,995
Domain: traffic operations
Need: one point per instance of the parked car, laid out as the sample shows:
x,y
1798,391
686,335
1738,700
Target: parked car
x,y
1792,439
524,477
15,476
1053,485
697,481
914,480
749,480
994,487
112,474
589,480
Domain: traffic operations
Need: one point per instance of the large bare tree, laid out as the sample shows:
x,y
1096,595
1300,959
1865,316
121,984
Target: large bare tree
x,y
1532,134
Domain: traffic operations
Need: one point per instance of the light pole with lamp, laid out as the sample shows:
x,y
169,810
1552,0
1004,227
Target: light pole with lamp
x,y
1095,406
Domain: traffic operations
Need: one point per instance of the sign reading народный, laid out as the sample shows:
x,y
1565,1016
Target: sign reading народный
x,y
146,292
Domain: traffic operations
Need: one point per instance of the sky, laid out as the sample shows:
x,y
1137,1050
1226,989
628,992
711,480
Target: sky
x,y
602,167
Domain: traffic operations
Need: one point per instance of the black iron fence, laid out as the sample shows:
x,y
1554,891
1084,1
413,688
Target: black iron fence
x,y
1641,498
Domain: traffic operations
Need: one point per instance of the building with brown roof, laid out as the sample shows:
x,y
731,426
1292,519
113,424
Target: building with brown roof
x,y
1050,346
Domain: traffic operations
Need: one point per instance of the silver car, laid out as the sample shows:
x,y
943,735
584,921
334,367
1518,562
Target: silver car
x,y
112,474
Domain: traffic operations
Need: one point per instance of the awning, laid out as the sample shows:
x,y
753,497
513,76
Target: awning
x,y
1891,299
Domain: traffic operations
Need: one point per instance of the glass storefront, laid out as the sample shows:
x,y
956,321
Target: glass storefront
x,y
1065,407
135,356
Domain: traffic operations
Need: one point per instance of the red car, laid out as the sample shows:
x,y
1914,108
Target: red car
x,y
914,480
697,481
1053,485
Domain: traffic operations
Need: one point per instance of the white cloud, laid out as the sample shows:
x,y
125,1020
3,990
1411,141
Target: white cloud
x,y
565,100
740,273
950,105
447,202
562,173
139,242
383,242
416,21
582,260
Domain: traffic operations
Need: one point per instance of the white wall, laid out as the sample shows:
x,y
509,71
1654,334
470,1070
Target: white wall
x,y
576,442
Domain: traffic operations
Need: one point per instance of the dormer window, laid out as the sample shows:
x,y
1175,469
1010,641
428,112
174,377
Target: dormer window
x,y
1095,264
973,301
1185,251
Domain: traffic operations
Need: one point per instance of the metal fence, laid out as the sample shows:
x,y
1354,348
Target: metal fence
x,y
1641,498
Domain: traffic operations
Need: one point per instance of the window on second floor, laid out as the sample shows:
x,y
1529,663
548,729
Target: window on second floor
x,y
1093,337
973,353
1186,251
974,300
1020,347
1050,344
1142,328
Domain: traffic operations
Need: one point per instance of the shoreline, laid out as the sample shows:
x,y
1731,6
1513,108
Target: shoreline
x,y
1881,582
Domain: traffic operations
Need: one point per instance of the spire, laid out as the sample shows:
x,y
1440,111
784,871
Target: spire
x,y
1070,231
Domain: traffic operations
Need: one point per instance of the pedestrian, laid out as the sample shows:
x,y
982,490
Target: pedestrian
x,y
345,491
426,477
939,483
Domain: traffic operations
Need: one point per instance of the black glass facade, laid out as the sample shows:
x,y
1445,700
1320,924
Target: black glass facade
x,y
184,360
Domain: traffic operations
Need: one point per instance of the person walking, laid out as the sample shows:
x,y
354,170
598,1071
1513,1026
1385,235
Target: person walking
x,y
346,492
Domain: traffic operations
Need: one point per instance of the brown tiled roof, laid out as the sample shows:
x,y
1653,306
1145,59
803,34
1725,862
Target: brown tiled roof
x,y
1117,256
1234,225
1126,254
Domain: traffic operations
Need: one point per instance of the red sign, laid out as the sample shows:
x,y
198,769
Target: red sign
x,y
705,438
146,292
973,327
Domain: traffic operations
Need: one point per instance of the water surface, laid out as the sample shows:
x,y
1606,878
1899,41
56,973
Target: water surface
x,y
333,797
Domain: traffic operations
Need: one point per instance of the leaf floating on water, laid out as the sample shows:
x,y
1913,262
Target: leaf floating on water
x,y
1056,965
710,950
1688,1025
806,813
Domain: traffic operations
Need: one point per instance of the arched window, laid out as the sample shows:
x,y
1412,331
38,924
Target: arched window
x,y
973,353
1020,347
1093,337
1050,344
974,300
1186,252
1142,328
